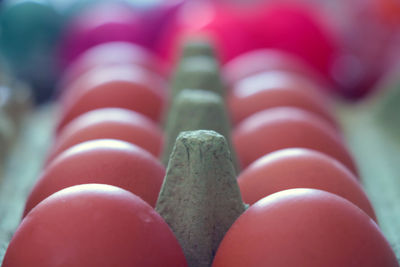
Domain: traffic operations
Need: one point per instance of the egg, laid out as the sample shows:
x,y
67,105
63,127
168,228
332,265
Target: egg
x,y
110,123
284,127
112,54
301,168
103,161
274,89
304,227
266,59
93,225
125,86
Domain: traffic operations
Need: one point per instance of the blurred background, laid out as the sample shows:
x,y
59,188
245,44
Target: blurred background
x,y
353,45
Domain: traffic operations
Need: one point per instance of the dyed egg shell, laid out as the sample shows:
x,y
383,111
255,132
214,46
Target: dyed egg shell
x,y
110,123
274,89
301,168
103,161
124,86
284,127
304,227
93,225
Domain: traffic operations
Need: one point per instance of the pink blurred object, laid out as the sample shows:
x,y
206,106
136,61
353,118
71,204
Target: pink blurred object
x,y
104,22
266,60
112,54
272,89
360,30
110,21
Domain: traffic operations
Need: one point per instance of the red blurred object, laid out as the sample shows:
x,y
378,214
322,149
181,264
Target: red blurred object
x,y
293,29
390,11
206,18
235,31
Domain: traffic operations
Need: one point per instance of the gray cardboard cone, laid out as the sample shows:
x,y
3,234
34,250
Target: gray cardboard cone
x,y
197,46
197,72
196,110
200,197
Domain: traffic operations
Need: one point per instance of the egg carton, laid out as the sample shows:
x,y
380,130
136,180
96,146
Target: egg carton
x,y
360,124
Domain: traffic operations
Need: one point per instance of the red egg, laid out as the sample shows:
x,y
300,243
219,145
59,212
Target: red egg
x,y
301,168
239,30
112,54
295,29
284,127
205,18
110,123
274,89
304,227
123,86
262,60
103,161
93,225
389,11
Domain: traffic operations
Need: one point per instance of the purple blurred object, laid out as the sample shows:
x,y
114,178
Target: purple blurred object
x,y
114,21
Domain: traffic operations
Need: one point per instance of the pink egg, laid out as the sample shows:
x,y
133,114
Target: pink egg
x,y
267,59
274,89
111,54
